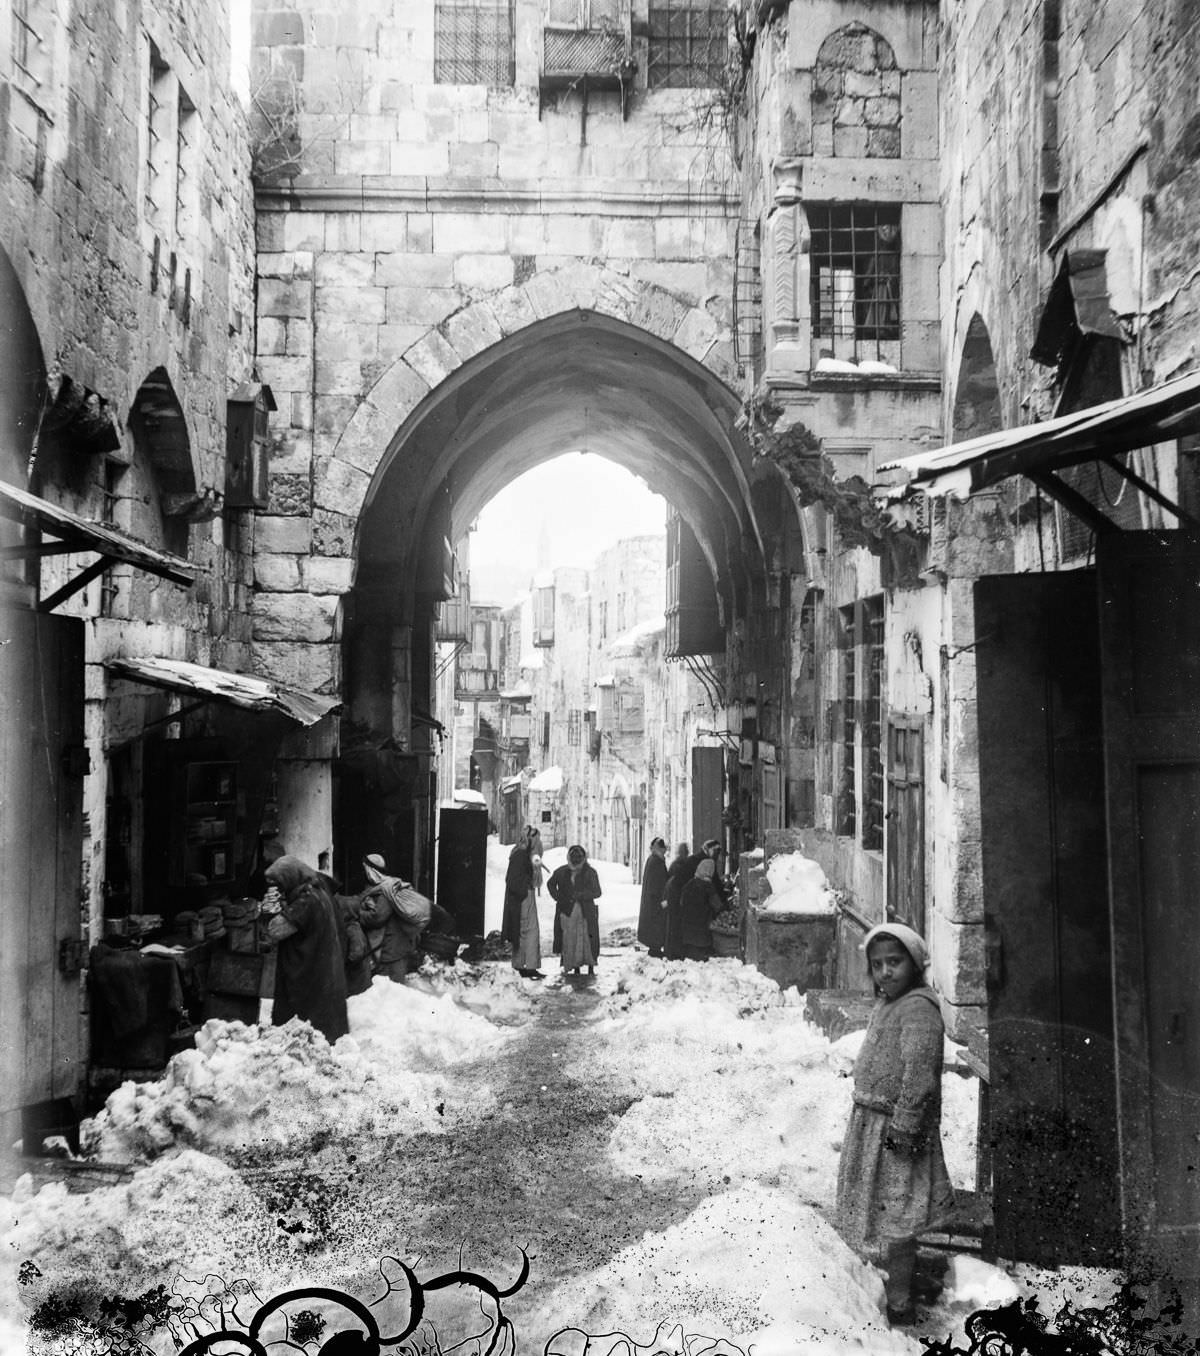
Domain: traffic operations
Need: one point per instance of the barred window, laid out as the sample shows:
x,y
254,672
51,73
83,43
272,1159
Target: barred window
x,y
574,727
473,42
855,255
847,817
872,829
27,43
689,44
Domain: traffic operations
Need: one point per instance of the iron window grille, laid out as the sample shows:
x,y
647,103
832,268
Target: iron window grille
x,y
872,834
26,42
473,43
847,817
747,297
855,258
574,728
688,44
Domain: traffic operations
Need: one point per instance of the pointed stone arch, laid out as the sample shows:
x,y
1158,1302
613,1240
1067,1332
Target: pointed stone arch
x,y
23,387
343,480
976,409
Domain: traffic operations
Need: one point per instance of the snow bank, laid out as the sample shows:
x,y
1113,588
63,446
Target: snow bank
x,y
669,983
249,1088
751,1266
456,999
184,1215
798,885
244,1088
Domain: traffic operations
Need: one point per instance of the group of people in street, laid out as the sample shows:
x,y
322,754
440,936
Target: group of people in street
x,y
892,1180
680,901
330,945
574,888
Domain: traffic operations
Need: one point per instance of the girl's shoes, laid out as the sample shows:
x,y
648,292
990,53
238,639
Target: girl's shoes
x,y
591,969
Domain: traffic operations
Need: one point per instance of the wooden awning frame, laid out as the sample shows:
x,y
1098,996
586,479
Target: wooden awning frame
x,y
1099,433
75,535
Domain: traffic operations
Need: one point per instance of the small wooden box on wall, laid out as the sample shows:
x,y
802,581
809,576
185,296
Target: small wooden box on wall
x,y
247,444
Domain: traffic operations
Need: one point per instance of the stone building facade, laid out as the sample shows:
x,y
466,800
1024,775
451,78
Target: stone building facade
x,y
585,666
127,314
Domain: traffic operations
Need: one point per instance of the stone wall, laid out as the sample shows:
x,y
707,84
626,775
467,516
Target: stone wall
x,y
411,226
79,225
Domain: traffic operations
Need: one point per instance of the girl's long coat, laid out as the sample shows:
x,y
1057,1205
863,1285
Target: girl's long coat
x,y
652,917
885,1196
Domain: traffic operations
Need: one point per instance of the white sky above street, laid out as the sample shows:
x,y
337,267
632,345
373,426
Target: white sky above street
x,y
564,512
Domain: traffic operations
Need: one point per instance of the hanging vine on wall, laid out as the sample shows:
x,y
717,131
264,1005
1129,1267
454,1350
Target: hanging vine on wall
x,y
850,504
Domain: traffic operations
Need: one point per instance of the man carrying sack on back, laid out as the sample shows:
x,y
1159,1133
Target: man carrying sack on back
x,y
394,916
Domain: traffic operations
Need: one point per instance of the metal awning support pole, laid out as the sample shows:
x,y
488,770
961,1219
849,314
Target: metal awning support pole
x,y
1072,501
1151,492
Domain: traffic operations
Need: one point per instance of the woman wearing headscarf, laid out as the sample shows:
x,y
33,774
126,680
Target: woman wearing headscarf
x,y
522,884
652,914
575,889
392,906
699,903
310,975
679,873
892,1180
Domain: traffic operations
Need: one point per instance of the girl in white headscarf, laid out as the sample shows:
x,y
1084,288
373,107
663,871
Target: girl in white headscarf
x,y
892,1180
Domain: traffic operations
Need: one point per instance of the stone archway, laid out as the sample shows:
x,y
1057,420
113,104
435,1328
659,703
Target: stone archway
x,y
976,390
23,389
578,359
342,480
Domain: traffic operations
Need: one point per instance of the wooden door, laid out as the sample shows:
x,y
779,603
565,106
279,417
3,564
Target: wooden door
x,y
462,866
905,821
42,763
1044,893
1150,637
770,800
708,795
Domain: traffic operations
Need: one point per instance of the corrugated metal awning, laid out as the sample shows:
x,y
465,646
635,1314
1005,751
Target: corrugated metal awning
x,y
239,689
77,534
1099,433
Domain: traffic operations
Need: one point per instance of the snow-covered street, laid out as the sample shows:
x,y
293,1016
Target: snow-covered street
x,y
661,1143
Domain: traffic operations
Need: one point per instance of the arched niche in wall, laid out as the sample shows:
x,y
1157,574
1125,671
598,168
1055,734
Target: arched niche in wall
x,y
856,95
23,391
158,485
976,393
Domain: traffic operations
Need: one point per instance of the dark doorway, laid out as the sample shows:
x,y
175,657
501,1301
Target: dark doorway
x,y
1049,983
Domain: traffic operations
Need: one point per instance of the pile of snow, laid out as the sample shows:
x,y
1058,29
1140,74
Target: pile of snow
x,y
751,1266
798,885
247,1088
244,1088
495,993
188,1214
672,983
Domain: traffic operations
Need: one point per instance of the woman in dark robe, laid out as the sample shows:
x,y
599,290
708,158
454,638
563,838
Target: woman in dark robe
x,y
679,873
699,903
310,975
652,914
519,925
575,889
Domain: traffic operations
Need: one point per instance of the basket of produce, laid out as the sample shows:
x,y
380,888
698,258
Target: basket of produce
x,y
439,946
726,932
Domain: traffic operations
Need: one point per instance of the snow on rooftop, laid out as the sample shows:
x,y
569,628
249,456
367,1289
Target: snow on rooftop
x,y
549,780
465,796
629,642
